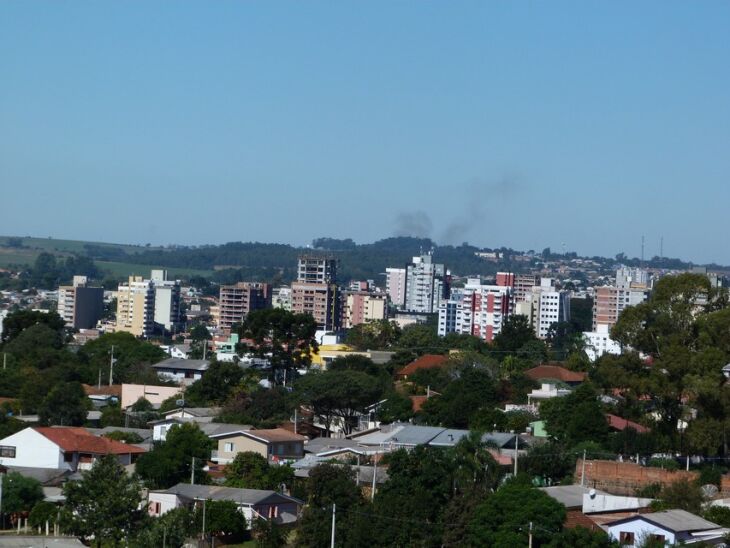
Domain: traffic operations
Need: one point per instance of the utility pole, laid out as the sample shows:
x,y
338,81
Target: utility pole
x,y
295,420
334,511
530,537
517,439
111,368
583,469
5,360
375,473
205,348
192,472
99,379
203,518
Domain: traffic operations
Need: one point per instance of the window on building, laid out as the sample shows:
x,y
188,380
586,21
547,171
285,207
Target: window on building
x,y
228,447
626,538
7,451
68,457
657,538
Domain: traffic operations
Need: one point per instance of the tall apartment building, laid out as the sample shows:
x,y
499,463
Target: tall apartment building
x,y
79,305
477,309
553,307
631,288
543,305
136,307
522,286
167,300
237,300
315,292
363,305
610,301
632,278
427,285
395,286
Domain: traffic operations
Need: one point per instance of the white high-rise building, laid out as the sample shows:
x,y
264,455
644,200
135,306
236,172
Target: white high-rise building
x,y
477,309
426,285
167,300
630,277
544,305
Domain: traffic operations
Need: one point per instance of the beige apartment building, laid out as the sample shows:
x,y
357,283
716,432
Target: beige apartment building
x,y
315,292
236,301
136,307
362,307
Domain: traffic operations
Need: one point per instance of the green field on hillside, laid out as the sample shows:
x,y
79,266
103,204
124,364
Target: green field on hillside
x,y
32,247
129,269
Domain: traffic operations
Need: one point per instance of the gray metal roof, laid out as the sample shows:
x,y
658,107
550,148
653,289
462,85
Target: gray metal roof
x,y
47,476
570,496
415,435
144,433
680,520
216,492
216,428
448,437
318,445
179,363
195,411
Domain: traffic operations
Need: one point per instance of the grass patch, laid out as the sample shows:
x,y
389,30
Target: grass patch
x,y
130,269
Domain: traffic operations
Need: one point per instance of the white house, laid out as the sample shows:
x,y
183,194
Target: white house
x,y
182,371
671,527
68,448
252,503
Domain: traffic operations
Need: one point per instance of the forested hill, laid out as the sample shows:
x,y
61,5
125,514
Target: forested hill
x,y
278,261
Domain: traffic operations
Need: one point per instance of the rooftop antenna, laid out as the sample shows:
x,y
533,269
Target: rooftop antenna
x,y
642,248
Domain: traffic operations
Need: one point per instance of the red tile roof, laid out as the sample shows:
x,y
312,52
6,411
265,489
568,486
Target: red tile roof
x,y
621,424
81,440
427,361
555,372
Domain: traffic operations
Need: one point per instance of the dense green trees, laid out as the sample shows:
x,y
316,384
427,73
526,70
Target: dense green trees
x,y
106,504
171,461
65,405
504,518
252,471
20,494
338,395
330,484
284,338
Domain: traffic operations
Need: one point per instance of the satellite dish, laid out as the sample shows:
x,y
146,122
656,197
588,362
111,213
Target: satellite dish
x,y
709,490
180,403
592,493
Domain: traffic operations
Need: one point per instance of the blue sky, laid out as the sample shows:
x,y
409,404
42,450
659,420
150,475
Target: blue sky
x,y
526,124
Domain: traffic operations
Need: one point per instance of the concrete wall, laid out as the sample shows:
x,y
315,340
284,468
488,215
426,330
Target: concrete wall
x,y
154,394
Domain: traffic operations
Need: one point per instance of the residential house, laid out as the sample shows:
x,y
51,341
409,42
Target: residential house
x,y
546,372
427,361
181,370
671,527
275,444
252,503
69,448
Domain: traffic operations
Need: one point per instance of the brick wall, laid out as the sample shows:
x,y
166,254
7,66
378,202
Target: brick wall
x,y
624,478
